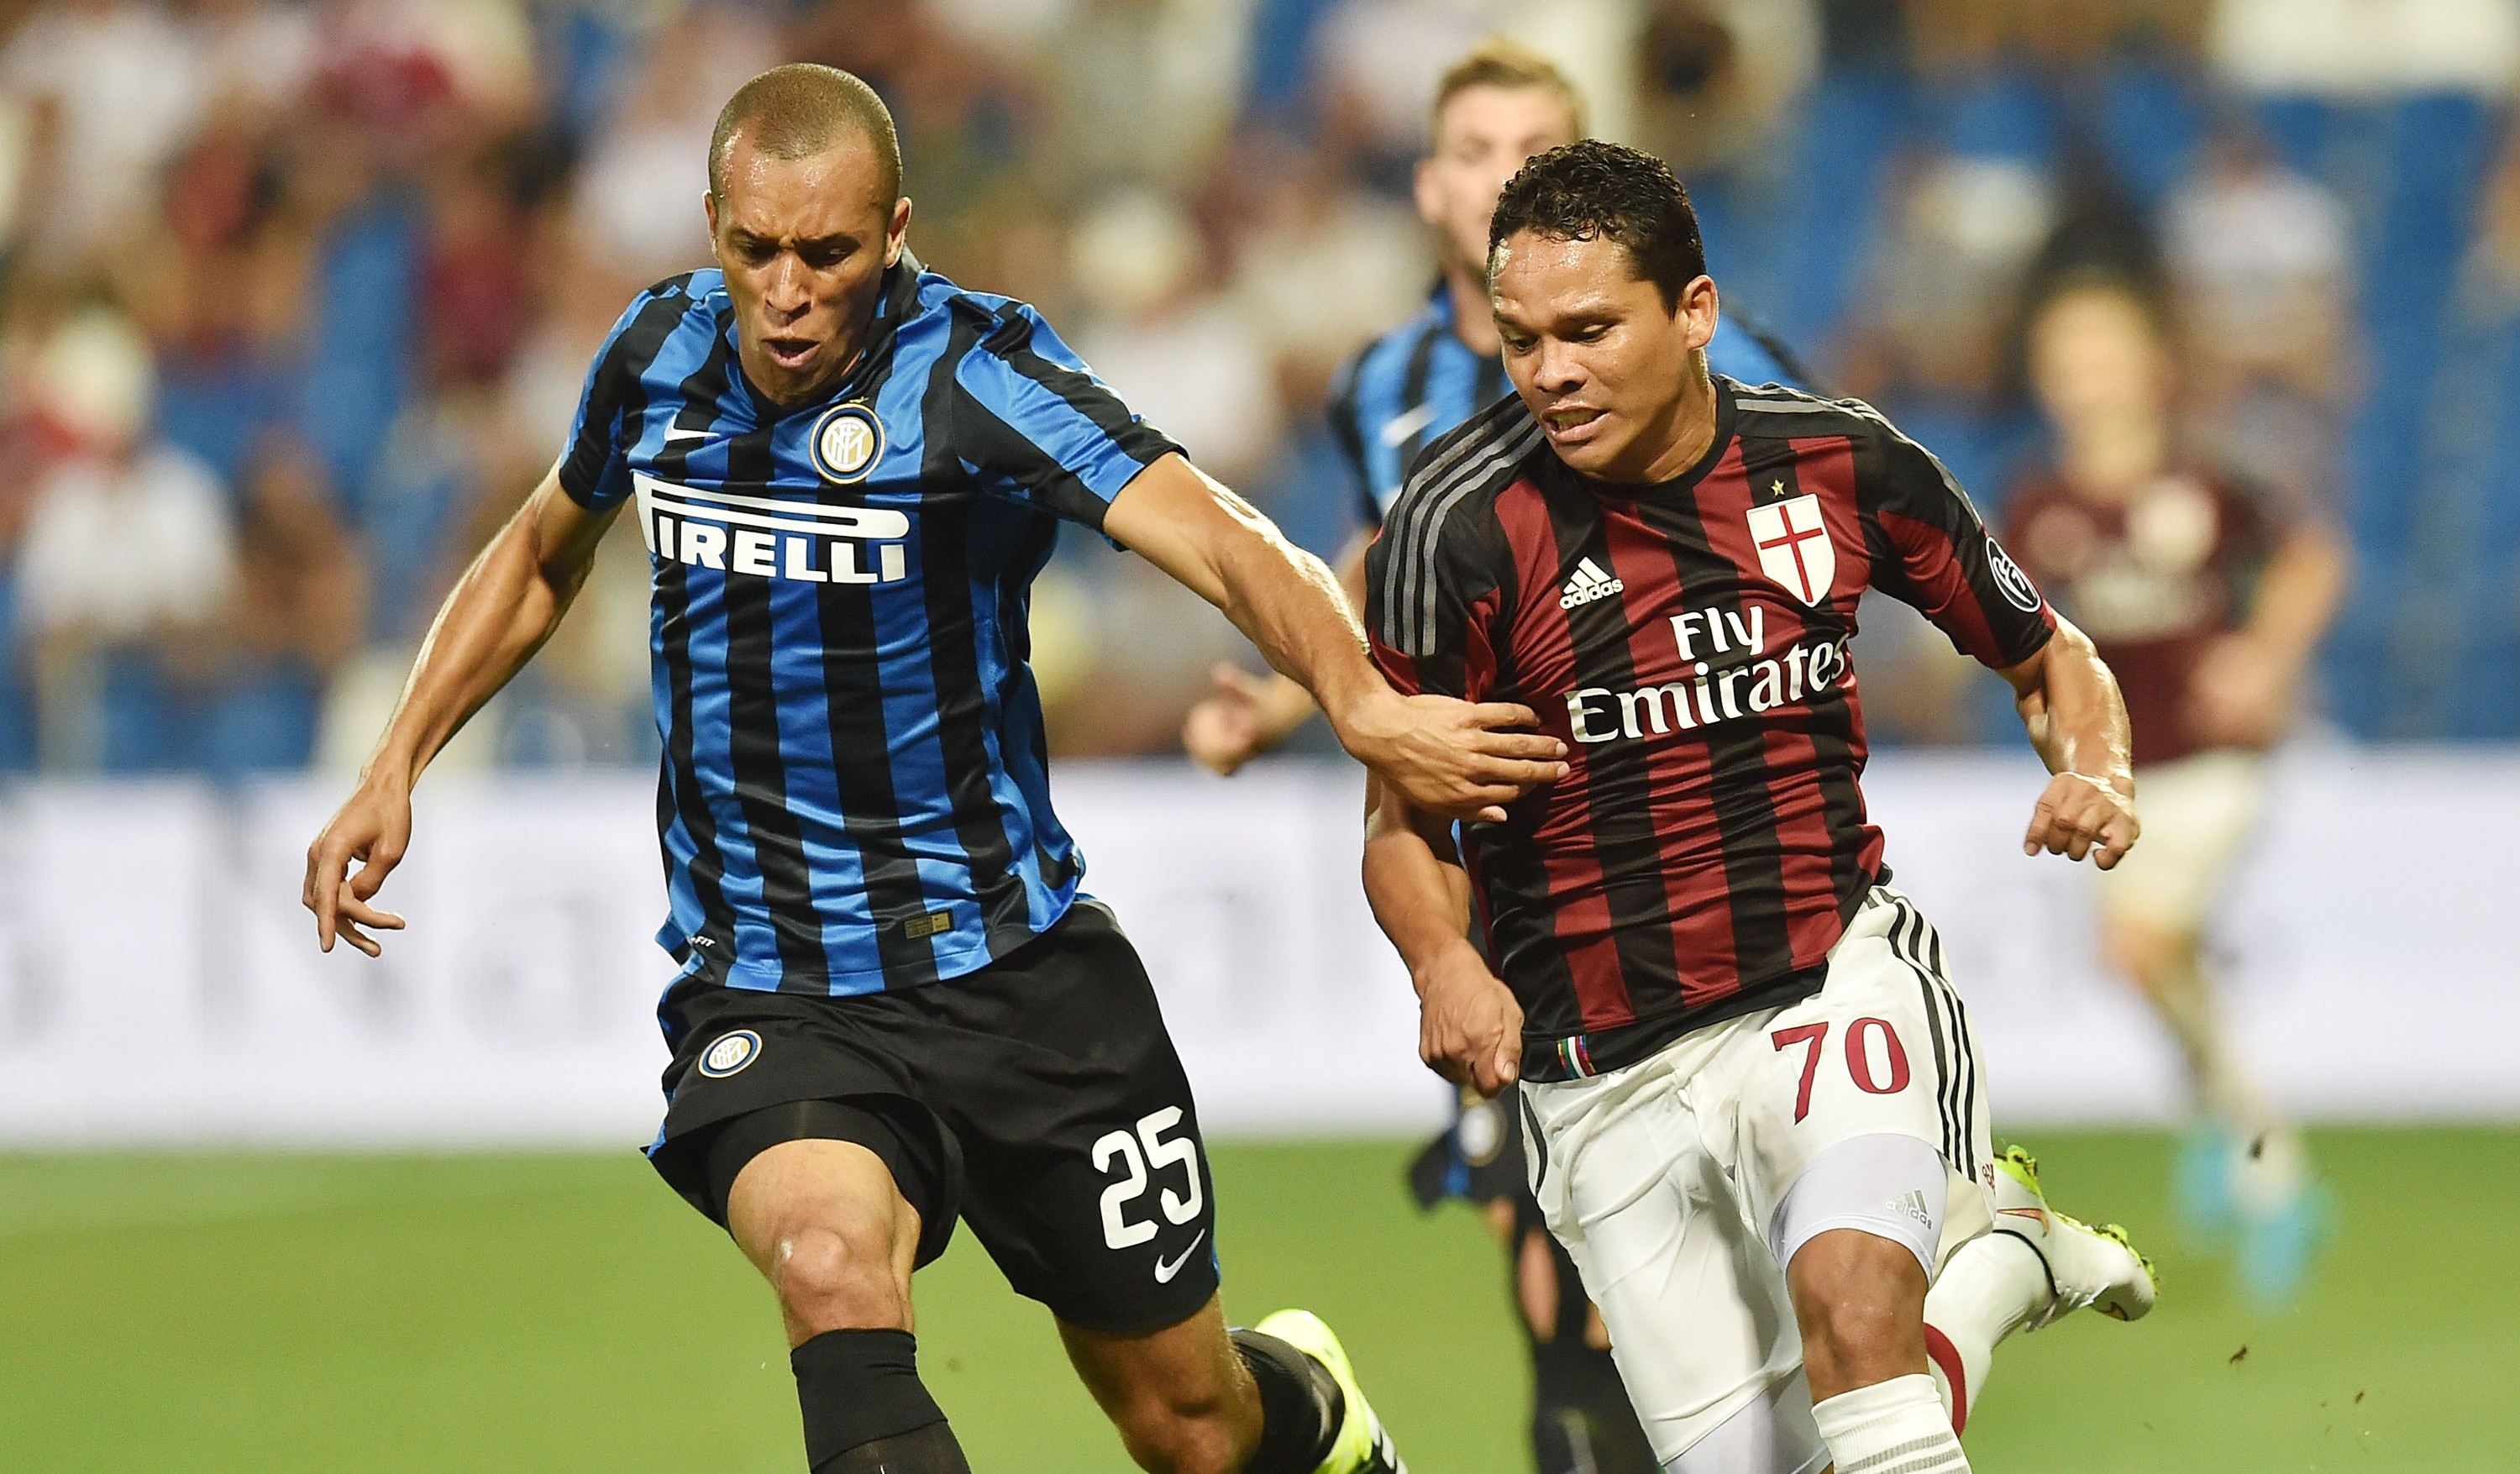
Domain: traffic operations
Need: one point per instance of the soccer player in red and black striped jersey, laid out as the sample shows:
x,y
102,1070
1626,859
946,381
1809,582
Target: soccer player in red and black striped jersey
x,y
1755,1102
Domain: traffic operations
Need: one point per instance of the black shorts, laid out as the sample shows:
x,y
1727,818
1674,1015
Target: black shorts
x,y
1039,1097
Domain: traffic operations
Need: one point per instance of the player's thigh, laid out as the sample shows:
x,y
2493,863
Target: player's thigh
x,y
754,1071
1698,1319
1085,1174
1864,1105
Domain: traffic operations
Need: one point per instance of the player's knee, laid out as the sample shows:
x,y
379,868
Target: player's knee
x,y
841,1277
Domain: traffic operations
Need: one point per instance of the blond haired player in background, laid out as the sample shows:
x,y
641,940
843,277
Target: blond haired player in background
x,y
2208,597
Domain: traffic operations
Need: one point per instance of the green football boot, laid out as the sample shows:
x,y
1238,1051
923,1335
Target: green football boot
x,y
1361,1445
2098,1266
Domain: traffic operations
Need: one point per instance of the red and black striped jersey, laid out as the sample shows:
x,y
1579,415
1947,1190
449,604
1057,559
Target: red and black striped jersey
x,y
1689,643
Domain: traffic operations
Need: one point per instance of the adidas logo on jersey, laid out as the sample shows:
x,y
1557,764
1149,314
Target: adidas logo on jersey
x,y
1913,1205
1590,582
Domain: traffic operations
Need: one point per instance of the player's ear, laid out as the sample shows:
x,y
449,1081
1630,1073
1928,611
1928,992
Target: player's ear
x,y
1421,190
898,232
1698,311
709,207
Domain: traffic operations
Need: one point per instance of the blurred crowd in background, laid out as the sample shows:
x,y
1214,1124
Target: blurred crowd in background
x,y
296,298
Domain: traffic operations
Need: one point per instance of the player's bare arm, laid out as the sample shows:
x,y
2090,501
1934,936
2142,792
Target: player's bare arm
x,y
1247,715
1449,757
2077,721
2248,685
1469,1028
501,611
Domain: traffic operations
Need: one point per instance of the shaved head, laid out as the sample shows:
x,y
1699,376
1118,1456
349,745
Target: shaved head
x,y
800,109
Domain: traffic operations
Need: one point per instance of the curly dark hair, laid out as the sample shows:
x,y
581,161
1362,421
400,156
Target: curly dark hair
x,y
1589,190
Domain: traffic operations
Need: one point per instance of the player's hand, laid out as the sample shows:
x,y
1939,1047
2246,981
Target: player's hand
x,y
1454,758
2080,815
1469,1028
1242,719
372,828
2240,694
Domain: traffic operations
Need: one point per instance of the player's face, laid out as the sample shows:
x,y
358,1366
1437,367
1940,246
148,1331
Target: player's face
x,y
2095,359
1608,370
1481,137
804,242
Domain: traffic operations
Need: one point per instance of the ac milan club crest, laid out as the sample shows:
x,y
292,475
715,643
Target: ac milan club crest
x,y
1794,549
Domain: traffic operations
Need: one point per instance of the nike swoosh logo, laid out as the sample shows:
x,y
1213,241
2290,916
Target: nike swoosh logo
x,y
2032,1212
673,435
1164,1273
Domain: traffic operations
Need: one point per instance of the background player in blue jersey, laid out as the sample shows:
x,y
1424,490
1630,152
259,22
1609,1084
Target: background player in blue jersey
x,y
895,1005
1496,107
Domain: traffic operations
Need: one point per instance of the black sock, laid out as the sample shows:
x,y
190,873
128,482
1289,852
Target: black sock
x,y
863,1404
1300,1406
922,1451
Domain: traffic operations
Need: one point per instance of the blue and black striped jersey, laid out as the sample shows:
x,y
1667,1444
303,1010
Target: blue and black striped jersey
x,y
1402,392
854,790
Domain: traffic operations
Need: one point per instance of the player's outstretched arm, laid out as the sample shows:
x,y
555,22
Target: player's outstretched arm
x,y
502,610
2077,721
1247,715
1469,1028
1448,757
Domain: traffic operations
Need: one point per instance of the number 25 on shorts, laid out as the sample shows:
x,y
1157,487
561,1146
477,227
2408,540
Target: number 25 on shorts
x,y
1813,1039
1119,1230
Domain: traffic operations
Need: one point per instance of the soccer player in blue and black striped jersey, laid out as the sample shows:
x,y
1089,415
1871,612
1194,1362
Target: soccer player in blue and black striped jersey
x,y
1496,107
895,1005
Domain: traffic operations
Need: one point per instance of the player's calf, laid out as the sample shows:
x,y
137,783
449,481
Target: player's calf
x,y
1860,1302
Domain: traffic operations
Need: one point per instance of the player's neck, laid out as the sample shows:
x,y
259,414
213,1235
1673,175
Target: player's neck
x,y
1684,438
1474,320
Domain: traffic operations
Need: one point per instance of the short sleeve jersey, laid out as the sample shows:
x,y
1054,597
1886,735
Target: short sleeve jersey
x,y
1688,642
854,792
2153,579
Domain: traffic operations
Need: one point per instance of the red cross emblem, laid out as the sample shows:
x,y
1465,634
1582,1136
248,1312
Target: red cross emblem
x,y
1794,549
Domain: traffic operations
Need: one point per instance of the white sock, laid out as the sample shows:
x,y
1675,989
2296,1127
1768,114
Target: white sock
x,y
1990,1288
1897,1424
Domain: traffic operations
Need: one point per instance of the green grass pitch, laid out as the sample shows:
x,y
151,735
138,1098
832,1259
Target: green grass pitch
x,y
329,1315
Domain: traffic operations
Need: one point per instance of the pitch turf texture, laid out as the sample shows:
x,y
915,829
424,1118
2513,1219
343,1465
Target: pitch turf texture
x,y
278,1314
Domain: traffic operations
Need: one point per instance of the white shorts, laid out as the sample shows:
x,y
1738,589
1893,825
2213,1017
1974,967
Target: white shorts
x,y
1674,1183
2198,813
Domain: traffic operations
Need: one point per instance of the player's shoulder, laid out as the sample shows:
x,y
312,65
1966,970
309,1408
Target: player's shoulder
x,y
1467,466
657,335
1782,410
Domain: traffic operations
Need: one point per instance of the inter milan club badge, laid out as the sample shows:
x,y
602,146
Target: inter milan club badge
x,y
732,1053
846,442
